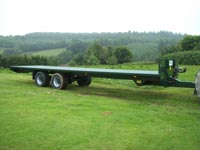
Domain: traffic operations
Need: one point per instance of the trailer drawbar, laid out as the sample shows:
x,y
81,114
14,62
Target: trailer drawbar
x,y
60,77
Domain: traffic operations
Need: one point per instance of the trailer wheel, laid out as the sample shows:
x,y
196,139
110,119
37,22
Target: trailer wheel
x,y
59,81
42,79
197,83
84,81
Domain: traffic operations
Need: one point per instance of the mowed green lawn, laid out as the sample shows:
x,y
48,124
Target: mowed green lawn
x,y
107,115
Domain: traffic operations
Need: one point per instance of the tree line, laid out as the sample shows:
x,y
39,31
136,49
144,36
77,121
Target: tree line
x,y
96,54
6,62
77,52
144,45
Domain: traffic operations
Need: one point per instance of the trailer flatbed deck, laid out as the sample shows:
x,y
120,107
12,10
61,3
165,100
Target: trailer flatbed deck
x,y
89,71
59,77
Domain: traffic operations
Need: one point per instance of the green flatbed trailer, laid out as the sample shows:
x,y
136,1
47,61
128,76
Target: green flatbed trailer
x,y
60,77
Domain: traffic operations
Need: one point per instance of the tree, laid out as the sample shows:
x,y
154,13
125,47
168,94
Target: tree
x,y
91,59
105,55
77,46
53,61
100,52
1,61
65,57
190,43
79,59
123,55
9,52
111,60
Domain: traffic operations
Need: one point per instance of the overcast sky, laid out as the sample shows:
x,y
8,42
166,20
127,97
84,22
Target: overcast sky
x,y
18,17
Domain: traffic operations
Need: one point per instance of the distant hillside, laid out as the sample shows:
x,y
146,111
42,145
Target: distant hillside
x,y
144,46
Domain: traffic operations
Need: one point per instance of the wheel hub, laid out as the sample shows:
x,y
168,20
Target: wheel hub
x,y
56,81
40,80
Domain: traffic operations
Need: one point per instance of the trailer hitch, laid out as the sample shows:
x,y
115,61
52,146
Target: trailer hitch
x,y
181,70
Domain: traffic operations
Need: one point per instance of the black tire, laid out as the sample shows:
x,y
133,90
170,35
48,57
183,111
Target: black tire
x,y
42,79
197,84
59,81
84,81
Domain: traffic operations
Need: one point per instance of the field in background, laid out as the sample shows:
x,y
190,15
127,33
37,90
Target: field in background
x,y
50,52
108,115
47,53
1,50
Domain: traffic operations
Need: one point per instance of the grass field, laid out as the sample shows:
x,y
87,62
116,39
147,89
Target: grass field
x,y
108,115
1,51
48,53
